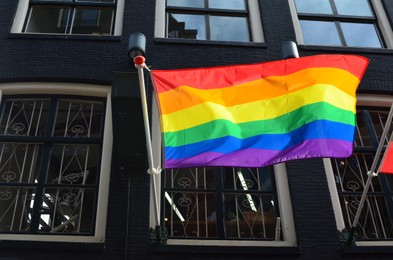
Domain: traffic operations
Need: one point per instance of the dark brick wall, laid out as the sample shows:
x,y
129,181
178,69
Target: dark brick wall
x,y
88,60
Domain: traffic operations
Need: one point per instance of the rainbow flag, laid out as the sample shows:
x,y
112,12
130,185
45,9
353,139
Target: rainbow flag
x,y
259,114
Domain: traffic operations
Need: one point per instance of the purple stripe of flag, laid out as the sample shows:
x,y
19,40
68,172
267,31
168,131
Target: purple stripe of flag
x,y
314,148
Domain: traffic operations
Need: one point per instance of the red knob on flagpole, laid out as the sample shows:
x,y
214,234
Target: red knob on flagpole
x,y
139,60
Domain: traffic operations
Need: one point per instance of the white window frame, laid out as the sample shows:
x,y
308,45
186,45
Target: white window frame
x,y
362,100
382,19
103,186
254,16
23,8
284,201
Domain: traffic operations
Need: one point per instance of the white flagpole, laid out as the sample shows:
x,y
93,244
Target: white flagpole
x,y
371,173
140,65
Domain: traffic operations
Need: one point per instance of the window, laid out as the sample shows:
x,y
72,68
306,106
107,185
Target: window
x,y
221,203
351,23
350,176
87,17
226,204
52,168
209,20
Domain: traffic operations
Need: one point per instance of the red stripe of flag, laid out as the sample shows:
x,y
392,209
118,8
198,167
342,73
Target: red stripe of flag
x,y
387,162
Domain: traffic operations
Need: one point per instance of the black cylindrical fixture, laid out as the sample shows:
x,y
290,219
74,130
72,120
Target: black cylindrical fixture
x,y
289,50
136,45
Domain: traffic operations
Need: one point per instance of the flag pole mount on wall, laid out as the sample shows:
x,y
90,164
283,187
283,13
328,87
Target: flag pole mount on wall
x,y
136,52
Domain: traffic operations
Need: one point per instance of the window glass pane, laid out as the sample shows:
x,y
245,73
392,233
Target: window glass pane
x,y
24,117
19,162
362,137
379,119
78,118
353,7
190,214
352,173
190,178
228,4
186,3
238,32
187,26
73,164
47,19
97,1
249,216
319,33
16,206
66,210
90,20
257,179
360,35
313,6
374,220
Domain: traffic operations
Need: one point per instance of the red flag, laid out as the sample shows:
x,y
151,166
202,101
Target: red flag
x,y
387,161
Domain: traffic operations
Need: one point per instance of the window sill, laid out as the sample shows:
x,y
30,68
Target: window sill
x,y
353,250
345,49
12,244
64,37
206,42
241,250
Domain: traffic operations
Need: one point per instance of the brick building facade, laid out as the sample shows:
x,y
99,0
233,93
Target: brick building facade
x,y
65,65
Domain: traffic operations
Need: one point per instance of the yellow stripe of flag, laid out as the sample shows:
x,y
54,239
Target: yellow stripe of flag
x,y
258,110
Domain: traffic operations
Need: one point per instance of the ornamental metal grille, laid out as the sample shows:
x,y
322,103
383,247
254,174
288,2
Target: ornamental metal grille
x,y
221,203
49,164
375,222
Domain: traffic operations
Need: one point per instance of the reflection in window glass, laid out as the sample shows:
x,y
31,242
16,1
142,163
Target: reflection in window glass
x,y
92,21
360,35
238,32
319,33
186,26
228,4
48,19
186,3
313,6
353,7
96,1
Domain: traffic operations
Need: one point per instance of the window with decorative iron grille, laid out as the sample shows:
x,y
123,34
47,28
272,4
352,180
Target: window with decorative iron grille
x,y
50,150
350,175
221,203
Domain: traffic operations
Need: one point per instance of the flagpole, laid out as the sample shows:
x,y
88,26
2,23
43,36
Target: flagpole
x,y
140,65
371,174
136,51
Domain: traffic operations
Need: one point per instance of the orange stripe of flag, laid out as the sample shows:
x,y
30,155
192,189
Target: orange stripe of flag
x,y
262,89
